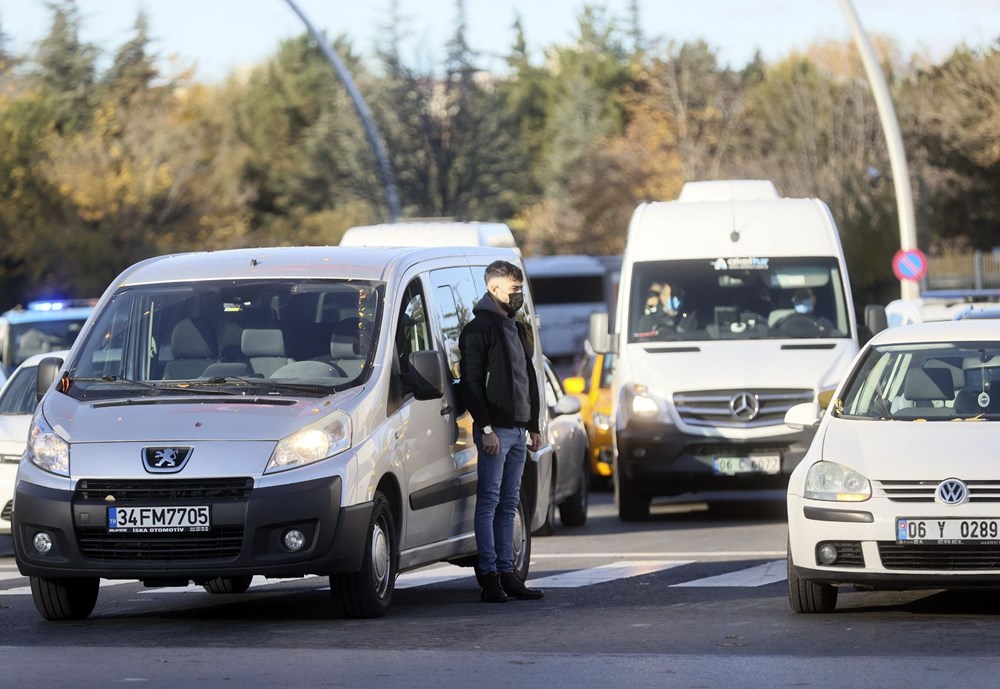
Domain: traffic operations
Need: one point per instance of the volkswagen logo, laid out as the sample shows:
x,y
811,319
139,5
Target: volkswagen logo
x,y
744,406
952,492
165,460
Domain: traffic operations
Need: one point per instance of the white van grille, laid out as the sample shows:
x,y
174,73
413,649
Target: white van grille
x,y
738,408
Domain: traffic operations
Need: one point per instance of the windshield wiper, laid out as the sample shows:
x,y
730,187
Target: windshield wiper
x,y
116,379
266,384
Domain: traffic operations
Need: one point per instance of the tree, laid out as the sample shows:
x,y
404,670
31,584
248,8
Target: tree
x,y
66,66
134,68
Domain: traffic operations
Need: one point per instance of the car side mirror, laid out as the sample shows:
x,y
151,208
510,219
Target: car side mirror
x,y
803,415
427,374
567,405
875,319
575,385
600,339
48,372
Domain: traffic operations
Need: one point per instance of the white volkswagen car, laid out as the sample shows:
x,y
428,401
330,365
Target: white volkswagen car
x,y
18,400
901,486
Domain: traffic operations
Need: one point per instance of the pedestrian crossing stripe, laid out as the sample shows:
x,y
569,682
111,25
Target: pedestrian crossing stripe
x,y
760,575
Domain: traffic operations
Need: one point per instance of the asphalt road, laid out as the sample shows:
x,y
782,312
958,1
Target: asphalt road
x,y
693,598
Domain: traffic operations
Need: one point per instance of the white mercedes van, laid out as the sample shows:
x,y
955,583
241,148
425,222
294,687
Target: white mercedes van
x,y
278,412
734,306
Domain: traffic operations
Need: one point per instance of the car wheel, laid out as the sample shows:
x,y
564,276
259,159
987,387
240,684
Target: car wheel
x,y
548,527
64,599
227,584
633,504
522,541
367,593
808,596
573,511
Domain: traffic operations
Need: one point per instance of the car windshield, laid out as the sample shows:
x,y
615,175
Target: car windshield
x,y
925,382
304,337
28,338
738,299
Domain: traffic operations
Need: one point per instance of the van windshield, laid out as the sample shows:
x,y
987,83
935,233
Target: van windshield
x,y
304,337
737,299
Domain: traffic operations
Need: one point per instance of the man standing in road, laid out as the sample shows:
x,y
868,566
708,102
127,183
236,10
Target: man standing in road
x,y
501,392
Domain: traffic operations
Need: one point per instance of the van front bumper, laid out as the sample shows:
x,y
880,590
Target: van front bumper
x,y
245,538
665,460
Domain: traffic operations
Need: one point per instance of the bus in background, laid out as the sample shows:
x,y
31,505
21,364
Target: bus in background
x,y
567,290
44,326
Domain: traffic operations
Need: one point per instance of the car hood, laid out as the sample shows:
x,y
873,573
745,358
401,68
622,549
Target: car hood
x,y
167,420
13,433
748,364
914,450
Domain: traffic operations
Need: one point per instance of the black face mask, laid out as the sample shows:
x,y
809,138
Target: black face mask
x,y
516,301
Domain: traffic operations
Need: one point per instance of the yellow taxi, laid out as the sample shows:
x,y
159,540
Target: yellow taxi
x,y
592,386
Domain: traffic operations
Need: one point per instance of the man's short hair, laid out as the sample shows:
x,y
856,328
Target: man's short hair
x,y
503,269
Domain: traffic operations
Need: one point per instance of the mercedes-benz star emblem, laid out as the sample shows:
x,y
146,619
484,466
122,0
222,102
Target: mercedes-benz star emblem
x,y
744,406
952,492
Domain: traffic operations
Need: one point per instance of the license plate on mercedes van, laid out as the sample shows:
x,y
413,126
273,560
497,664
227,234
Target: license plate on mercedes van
x,y
754,464
159,519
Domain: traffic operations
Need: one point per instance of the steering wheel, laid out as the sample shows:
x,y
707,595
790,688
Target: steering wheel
x,y
798,325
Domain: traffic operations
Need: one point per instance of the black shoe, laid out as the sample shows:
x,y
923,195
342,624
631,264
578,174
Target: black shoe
x,y
515,588
492,592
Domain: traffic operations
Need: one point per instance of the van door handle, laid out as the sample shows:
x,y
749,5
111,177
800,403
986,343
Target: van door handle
x,y
445,410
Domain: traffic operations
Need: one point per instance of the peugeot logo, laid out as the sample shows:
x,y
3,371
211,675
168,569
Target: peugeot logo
x,y
165,460
744,406
952,492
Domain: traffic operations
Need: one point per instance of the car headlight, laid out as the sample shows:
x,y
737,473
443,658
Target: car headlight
x,y
643,403
329,437
46,449
832,481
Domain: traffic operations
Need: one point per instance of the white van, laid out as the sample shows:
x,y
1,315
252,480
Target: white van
x,y
567,290
278,412
431,233
702,384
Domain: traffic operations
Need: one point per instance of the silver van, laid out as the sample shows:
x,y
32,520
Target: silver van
x,y
278,412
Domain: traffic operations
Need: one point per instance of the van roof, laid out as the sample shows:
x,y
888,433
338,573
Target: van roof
x,y
321,262
778,227
436,233
729,190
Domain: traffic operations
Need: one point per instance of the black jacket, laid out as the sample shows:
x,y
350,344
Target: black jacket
x,y
487,384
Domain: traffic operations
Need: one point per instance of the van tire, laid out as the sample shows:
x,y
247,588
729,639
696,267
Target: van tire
x,y
522,541
227,584
367,593
64,599
573,510
548,526
807,596
633,504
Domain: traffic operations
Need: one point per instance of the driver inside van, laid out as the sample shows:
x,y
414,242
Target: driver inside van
x,y
662,311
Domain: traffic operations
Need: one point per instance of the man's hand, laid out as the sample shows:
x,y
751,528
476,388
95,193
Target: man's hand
x,y
534,441
491,444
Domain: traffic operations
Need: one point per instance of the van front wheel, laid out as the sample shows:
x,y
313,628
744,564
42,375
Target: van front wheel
x,y
64,599
633,504
367,593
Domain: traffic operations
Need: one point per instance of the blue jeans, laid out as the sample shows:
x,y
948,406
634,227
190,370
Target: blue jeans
x,y
497,493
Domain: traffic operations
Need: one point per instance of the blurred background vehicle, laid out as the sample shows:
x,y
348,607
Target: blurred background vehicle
x,y
939,305
44,326
570,456
17,405
977,311
592,386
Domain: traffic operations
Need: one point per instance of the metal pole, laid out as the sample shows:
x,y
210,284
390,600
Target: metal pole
x,y
897,154
385,169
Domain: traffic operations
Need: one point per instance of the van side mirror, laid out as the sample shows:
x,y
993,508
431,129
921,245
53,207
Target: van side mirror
x,y
48,371
575,385
802,415
875,319
427,374
567,404
600,339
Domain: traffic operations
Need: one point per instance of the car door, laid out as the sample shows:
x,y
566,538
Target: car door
x,y
426,434
566,434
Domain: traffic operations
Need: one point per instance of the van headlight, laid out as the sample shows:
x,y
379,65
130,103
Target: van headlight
x,y
643,404
46,449
325,439
832,481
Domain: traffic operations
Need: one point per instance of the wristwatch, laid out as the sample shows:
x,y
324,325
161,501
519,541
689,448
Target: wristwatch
x,y
487,430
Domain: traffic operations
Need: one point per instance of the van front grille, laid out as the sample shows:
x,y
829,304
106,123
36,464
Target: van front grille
x,y
218,544
738,408
128,490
